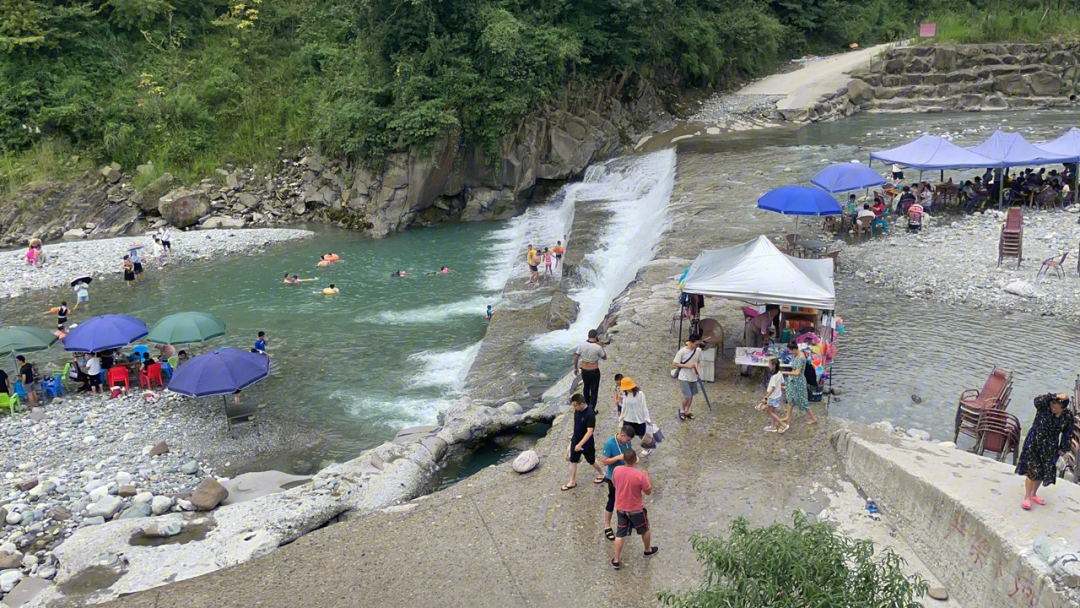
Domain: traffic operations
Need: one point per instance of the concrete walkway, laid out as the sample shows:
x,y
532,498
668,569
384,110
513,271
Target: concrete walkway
x,y
803,87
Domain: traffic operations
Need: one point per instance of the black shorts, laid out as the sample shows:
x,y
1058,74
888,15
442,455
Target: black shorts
x,y
558,256
129,276
628,522
639,428
898,175
589,452
610,495
166,244
138,267
534,268
94,380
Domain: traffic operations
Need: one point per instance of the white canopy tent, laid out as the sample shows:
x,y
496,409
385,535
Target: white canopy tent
x,y
758,273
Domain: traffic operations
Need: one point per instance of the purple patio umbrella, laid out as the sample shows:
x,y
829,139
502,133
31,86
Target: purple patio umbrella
x,y
104,333
220,372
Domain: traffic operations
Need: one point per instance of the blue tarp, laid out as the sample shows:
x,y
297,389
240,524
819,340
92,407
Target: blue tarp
x,y
1068,143
799,200
1012,150
930,152
845,177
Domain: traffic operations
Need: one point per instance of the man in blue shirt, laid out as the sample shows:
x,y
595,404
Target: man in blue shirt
x,y
613,457
260,345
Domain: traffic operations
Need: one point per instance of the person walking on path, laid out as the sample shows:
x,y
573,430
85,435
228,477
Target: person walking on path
x,y
774,396
558,250
165,235
614,448
582,443
29,381
82,295
795,389
587,359
630,486
533,260
1049,438
635,409
688,363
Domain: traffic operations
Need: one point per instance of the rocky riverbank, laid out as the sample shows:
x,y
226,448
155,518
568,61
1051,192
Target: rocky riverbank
x,y
101,258
955,261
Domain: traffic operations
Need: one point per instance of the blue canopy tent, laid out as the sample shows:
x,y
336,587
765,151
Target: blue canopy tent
x,y
1067,143
845,177
1012,150
930,152
799,201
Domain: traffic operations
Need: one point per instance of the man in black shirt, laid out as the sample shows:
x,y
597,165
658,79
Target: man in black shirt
x,y
29,382
581,443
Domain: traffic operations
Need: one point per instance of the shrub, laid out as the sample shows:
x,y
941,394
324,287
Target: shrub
x,y
799,566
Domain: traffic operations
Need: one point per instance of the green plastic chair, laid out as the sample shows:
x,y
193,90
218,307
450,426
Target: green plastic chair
x,y
174,361
11,402
62,377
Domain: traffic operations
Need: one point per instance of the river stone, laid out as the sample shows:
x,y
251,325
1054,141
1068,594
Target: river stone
x,y
13,518
562,312
512,408
159,448
7,562
93,521
208,494
938,593
136,510
75,234
27,485
160,504
526,462
1020,288
106,506
27,589
126,491
163,530
919,434
124,478
143,497
9,579
190,468
248,486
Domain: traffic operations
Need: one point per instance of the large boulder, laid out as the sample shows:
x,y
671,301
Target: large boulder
x,y
526,462
562,312
1045,83
1010,84
183,207
149,197
218,221
208,494
859,92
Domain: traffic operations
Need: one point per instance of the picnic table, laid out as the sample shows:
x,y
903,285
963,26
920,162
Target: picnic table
x,y
759,356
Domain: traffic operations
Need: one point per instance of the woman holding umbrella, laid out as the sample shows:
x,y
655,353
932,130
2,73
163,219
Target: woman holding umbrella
x,y
82,291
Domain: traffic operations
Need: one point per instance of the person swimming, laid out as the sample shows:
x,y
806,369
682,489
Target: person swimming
x,y
399,273
443,270
329,291
296,279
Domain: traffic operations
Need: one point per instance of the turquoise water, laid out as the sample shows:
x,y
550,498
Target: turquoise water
x,y
384,353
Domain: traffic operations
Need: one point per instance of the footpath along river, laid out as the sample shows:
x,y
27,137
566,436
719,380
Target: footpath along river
x,y
392,352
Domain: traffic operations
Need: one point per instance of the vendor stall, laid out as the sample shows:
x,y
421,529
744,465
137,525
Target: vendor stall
x,y
760,274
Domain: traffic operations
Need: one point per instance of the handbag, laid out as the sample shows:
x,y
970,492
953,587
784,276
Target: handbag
x,y
657,434
675,370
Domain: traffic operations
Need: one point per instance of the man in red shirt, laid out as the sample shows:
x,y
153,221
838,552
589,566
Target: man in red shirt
x,y
630,484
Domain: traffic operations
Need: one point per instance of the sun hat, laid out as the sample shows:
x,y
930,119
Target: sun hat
x,y
627,384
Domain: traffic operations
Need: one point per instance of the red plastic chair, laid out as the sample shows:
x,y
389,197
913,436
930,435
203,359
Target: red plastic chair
x,y
152,373
118,375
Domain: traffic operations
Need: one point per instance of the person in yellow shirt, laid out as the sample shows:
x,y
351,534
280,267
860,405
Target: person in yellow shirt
x,y
533,260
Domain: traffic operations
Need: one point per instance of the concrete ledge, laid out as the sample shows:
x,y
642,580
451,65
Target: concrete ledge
x,y
961,513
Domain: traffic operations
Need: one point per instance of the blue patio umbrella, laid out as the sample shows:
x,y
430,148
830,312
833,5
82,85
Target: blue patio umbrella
x,y
799,201
845,177
104,333
220,372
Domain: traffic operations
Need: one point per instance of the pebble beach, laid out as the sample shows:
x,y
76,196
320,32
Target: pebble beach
x,y
954,260
101,259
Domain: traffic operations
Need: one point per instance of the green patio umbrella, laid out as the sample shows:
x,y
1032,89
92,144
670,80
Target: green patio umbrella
x,y
186,328
15,340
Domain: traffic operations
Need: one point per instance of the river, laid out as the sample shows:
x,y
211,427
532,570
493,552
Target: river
x,y
390,352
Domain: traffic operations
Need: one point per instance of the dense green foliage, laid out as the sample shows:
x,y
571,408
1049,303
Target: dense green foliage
x,y
1009,21
800,566
192,84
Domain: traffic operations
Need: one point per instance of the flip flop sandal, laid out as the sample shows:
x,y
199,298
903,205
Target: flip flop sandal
x,y
652,552
682,416
569,487
616,565
1026,505
599,480
609,533
689,416
769,429
784,429
1038,500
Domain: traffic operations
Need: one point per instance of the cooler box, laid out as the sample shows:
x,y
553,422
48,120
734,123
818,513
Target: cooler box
x,y
708,365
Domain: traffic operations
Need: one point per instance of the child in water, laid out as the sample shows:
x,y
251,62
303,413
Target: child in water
x,y
547,260
489,312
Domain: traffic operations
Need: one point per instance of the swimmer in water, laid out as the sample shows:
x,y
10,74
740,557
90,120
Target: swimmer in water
x,y
289,281
399,273
296,279
329,291
443,270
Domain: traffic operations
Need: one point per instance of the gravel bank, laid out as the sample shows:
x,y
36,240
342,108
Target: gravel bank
x,y
727,108
101,258
954,261
84,460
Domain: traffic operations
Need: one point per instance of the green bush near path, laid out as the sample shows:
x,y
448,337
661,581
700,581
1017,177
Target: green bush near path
x,y
803,565
190,85
1001,21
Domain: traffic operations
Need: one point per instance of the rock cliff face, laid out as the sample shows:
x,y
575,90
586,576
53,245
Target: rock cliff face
x,y
447,180
970,77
